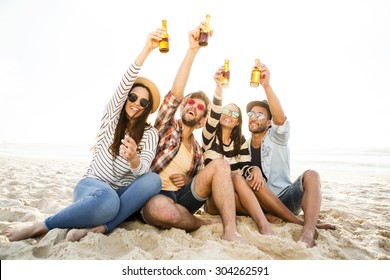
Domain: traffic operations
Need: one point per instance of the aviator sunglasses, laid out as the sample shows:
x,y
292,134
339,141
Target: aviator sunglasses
x,y
259,116
192,102
231,113
143,101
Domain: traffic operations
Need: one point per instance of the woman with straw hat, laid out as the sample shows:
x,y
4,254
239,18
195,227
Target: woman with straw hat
x,y
118,181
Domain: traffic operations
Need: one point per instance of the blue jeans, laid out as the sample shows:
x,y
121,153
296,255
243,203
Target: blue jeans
x,y
96,203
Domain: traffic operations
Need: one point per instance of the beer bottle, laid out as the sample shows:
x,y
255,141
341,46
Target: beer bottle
x,y
225,77
256,74
164,42
204,35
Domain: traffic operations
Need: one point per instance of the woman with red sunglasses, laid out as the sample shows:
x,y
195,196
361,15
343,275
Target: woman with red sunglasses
x,y
118,181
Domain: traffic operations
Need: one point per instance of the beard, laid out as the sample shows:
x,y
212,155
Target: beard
x,y
190,123
259,129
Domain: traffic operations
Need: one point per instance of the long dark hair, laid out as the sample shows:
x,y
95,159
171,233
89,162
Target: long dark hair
x,y
236,135
137,129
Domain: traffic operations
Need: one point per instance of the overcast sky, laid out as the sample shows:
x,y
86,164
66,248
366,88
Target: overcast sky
x,y
60,62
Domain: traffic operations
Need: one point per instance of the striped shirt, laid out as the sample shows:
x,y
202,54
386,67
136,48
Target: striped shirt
x,y
239,164
117,172
170,133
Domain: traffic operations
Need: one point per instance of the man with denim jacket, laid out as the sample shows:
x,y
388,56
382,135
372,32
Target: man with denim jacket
x,y
269,150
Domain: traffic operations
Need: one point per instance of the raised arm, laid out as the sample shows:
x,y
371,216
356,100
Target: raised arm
x,y
114,106
209,129
184,70
273,101
152,42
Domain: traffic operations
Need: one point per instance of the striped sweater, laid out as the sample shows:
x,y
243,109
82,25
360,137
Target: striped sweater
x,y
239,164
118,173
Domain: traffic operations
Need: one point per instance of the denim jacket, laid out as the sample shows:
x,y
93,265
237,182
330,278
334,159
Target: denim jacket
x,y
275,157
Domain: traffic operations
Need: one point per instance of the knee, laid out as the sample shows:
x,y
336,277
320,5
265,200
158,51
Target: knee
x,y
153,181
220,165
158,211
310,178
107,209
311,174
238,178
238,181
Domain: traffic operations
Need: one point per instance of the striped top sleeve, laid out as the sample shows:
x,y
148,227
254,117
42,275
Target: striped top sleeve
x,y
117,172
239,164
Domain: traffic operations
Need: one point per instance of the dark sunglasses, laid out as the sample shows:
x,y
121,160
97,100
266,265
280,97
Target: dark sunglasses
x,y
199,106
231,113
143,101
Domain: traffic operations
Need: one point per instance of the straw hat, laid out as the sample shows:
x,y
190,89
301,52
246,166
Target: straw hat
x,y
153,89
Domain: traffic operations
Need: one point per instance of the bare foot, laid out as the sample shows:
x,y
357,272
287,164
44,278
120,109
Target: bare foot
x,y
198,222
76,234
266,230
273,219
235,236
206,222
326,226
308,236
24,231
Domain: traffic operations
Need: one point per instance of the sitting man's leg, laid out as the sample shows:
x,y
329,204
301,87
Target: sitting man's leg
x,y
163,212
216,179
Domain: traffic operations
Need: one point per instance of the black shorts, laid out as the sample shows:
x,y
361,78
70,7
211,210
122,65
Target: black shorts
x,y
186,197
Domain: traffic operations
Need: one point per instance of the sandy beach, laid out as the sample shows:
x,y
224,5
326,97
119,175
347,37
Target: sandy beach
x,y
356,198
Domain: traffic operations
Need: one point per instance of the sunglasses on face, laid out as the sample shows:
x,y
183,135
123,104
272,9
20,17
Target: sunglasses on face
x,y
259,116
199,106
143,101
231,113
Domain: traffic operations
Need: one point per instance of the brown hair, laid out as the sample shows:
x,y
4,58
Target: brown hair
x,y
136,131
236,135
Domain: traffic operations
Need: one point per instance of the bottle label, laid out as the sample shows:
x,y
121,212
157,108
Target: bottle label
x,y
164,45
204,39
225,79
255,78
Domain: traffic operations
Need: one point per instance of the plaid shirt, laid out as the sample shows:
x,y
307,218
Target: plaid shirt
x,y
170,133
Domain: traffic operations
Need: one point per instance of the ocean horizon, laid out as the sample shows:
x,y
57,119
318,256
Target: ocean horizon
x,y
350,160
82,151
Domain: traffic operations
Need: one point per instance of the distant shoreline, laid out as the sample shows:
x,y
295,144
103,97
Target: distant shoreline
x,y
83,150
39,150
326,161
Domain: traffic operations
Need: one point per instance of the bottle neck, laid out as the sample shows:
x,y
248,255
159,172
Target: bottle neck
x,y
207,23
164,25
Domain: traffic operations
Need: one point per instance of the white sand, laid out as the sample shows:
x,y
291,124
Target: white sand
x,y
355,199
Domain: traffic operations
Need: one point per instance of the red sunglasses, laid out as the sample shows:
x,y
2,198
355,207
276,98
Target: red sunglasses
x,y
199,106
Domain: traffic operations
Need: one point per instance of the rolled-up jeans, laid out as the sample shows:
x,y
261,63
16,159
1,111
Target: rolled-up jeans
x,y
97,203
